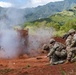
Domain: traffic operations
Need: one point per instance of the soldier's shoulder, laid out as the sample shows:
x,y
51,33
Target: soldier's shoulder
x,y
74,37
69,38
56,45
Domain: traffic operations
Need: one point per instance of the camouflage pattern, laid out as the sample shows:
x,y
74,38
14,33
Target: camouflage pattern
x,y
73,59
48,47
69,41
71,31
52,41
57,54
65,36
71,47
72,54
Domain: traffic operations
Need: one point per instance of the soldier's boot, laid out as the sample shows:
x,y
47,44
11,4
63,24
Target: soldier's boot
x,y
50,62
54,63
58,62
67,62
61,62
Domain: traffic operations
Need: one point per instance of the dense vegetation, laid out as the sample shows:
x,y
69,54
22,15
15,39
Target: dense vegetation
x,y
62,21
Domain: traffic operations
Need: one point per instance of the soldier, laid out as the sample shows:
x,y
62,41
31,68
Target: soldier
x,y
70,37
72,51
70,44
48,47
73,59
57,53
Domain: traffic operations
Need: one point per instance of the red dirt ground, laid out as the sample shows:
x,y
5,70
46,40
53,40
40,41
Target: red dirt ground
x,y
37,65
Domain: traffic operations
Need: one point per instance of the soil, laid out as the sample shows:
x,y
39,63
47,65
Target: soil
x,y
35,65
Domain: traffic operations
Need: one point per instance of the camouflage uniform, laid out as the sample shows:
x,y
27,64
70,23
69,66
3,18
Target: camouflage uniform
x,y
57,54
65,36
70,45
48,47
70,37
72,51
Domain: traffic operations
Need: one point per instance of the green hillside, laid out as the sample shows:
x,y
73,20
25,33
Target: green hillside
x,y
62,21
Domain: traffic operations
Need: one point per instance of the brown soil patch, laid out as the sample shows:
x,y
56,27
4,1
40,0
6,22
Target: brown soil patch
x,y
36,65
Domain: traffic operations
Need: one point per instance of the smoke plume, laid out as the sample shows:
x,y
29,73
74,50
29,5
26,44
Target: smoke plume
x,y
10,41
41,36
11,44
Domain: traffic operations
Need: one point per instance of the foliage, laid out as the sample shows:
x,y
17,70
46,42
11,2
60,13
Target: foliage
x,y
63,72
5,71
62,22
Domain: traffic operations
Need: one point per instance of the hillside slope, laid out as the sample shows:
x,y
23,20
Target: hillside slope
x,y
62,21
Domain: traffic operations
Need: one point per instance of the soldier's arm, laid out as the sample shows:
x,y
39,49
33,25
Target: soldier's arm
x,y
68,42
51,52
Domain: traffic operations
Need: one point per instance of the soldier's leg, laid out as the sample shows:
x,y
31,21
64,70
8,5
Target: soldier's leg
x,y
73,59
69,56
63,54
49,58
54,59
61,60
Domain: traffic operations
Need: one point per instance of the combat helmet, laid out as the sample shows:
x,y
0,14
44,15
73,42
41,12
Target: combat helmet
x,y
52,40
45,47
71,31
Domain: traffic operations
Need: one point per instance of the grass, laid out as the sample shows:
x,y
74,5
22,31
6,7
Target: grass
x,y
27,66
62,71
4,71
59,33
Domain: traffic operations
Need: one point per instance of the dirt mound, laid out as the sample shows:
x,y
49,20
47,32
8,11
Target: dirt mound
x,y
59,39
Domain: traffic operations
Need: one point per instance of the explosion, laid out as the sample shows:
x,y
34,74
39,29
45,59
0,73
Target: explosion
x,y
12,43
18,42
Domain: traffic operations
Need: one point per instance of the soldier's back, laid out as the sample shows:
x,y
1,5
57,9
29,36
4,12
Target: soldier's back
x,y
60,49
